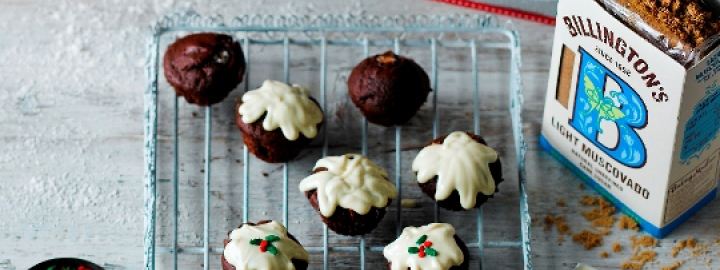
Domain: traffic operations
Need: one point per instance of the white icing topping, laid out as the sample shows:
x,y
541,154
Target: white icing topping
x,y
460,163
284,106
351,181
240,253
448,253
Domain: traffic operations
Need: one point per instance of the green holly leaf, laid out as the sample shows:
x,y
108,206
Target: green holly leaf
x,y
256,241
421,239
431,252
272,238
272,249
413,250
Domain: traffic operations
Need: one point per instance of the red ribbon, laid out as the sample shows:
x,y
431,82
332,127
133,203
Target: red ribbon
x,y
505,11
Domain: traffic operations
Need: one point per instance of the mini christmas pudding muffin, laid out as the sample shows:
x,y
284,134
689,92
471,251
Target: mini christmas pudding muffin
x,y
204,68
459,171
434,246
388,88
265,245
350,192
278,120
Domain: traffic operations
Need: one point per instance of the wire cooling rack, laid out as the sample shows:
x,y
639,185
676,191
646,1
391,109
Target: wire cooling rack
x,y
426,33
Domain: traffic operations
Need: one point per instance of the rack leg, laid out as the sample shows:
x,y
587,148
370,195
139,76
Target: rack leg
x,y
285,195
362,252
208,159
246,155
325,246
398,176
323,102
481,245
176,184
436,115
398,162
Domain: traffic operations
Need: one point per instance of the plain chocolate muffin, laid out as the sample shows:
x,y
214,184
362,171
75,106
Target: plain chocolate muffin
x,y
388,88
204,68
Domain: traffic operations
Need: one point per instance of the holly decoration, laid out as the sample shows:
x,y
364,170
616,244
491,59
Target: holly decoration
x,y
424,248
266,244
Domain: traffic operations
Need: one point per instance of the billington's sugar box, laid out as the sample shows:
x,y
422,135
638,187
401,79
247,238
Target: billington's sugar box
x,y
637,118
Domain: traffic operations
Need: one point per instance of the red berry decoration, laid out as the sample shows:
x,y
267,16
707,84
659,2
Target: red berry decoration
x,y
266,244
424,248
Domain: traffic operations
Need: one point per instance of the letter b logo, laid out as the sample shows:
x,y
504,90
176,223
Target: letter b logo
x,y
607,111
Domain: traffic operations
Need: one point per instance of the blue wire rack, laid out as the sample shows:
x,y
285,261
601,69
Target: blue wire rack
x,y
315,30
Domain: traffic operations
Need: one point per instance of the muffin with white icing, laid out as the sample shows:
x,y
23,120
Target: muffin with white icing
x,y
350,192
278,120
459,171
263,245
431,247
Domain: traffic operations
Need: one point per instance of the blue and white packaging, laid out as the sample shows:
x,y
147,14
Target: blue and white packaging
x,y
635,124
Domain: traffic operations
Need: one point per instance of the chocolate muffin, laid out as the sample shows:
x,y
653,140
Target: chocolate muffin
x,y
350,192
278,120
431,246
388,88
459,171
66,263
263,245
204,68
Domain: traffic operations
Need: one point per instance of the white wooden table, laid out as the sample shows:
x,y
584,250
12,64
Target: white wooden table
x,y
71,161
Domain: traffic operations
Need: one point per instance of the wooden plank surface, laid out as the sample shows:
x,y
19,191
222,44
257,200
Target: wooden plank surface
x,y
71,83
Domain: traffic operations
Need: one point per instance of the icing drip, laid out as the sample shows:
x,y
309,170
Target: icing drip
x,y
284,106
460,163
430,247
352,182
262,247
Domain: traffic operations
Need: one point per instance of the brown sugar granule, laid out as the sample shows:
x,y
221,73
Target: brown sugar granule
x,y
627,223
602,215
559,222
549,222
674,266
560,203
639,260
604,254
603,222
642,241
588,239
686,21
561,225
631,266
589,200
616,247
683,244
